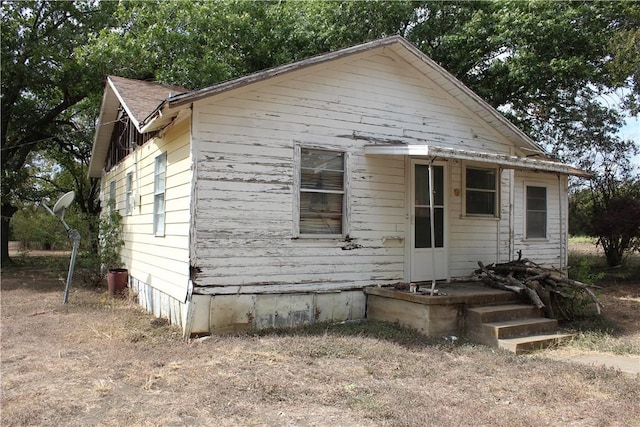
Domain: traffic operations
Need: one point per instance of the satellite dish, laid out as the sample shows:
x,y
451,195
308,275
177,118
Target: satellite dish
x,y
58,211
63,203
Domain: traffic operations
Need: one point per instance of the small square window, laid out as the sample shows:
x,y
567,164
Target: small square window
x,y
481,195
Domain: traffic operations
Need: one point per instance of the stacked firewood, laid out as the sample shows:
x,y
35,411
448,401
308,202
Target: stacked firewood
x,y
543,286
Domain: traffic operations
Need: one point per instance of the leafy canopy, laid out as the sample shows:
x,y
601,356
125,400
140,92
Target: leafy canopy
x,y
547,65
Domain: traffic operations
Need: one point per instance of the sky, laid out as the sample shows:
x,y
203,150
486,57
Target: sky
x,y
632,131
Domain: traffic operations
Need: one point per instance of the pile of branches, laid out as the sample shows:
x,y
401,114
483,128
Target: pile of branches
x,y
543,286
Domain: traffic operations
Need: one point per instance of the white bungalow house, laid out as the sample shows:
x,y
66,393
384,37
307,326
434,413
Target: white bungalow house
x,y
276,198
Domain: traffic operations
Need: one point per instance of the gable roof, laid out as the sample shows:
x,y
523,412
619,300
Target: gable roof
x,y
138,98
141,98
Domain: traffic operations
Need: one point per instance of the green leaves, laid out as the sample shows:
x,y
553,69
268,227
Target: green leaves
x,y
546,64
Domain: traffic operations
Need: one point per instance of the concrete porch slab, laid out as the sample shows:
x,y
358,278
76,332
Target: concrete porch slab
x,y
435,316
468,293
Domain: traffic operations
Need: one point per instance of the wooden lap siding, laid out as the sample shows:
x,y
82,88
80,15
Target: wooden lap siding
x,y
161,262
245,173
547,250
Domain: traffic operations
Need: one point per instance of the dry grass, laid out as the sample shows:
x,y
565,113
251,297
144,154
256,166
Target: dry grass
x,y
99,361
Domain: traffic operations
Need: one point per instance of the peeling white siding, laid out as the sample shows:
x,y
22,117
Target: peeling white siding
x,y
551,250
245,177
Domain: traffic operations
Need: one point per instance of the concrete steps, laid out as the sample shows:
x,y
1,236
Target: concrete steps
x,y
514,327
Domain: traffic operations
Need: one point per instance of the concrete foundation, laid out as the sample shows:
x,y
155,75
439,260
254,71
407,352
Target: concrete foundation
x,y
219,314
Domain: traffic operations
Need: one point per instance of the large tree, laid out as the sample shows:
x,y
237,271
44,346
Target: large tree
x,y
41,83
546,65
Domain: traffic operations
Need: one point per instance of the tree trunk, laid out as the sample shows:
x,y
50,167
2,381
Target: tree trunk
x,y
614,257
7,212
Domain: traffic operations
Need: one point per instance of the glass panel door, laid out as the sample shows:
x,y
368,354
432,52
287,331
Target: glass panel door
x,y
425,250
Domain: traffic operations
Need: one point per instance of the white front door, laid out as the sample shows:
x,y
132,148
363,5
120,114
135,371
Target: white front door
x,y
428,258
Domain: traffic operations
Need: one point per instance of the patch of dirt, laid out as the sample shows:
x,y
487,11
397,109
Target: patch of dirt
x,y
622,306
102,361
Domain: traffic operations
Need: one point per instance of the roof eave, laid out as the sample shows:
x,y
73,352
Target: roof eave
x,y
107,117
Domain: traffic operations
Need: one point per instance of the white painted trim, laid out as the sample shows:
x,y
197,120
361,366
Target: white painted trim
x,y
346,184
496,203
156,231
445,204
533,183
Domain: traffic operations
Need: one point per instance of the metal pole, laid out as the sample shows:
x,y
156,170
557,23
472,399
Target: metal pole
x,y
433,227
75,236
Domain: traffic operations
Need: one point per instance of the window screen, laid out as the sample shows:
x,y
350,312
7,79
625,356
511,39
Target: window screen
x,y
536,212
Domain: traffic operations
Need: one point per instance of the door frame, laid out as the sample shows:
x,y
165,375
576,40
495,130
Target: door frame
x,y
410,205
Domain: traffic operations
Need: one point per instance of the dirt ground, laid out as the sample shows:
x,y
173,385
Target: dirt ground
x,y
101,361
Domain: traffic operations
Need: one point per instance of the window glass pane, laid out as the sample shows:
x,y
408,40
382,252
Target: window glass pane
x,y
422,185
322,180
159,183
423,227
320,213
322,160
321,191
129,190
320,202
438,185
484,179
480,202
159,173
159,188
536,224
158,223
480,194
536,212
320,225
537,198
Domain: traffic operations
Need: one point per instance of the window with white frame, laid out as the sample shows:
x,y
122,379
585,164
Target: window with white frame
x,y
129,193
481,193
536,220
159,178
321,207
